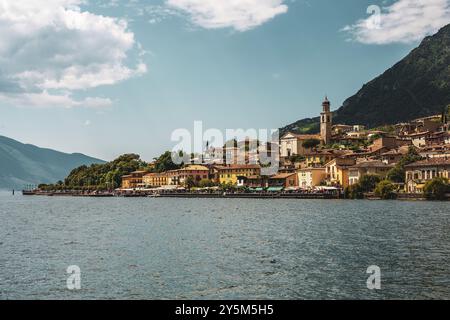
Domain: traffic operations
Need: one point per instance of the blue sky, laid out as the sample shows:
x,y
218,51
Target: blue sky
x,y
112,77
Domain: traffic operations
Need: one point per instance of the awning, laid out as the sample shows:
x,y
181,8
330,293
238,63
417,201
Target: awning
x,y
275,189
326,188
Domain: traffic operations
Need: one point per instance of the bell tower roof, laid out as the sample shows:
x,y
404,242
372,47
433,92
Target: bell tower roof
x,y
326,104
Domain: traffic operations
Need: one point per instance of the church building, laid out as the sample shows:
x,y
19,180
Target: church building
x,y
291,144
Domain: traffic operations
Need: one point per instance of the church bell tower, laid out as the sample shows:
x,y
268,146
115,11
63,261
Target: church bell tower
x,y
326,122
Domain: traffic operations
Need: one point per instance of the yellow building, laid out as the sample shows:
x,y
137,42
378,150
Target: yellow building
x,y
337,171
134,180
126,182
154,180
230,174
318,158
309,178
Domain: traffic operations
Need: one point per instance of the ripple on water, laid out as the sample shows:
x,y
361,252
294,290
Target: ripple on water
x,y
222,248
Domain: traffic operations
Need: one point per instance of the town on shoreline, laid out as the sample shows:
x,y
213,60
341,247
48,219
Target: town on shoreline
x,y
408,160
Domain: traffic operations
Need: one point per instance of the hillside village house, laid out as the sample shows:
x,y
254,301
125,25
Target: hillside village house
x,y
371,167
337,171
394,155
318,158
418,173
386,143
308,178
339,129
419,139
291,144
435,151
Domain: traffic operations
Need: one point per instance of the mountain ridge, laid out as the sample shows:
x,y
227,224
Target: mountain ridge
x,y
22,164
416,86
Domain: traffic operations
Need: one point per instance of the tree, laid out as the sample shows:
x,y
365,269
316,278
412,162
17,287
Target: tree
x,y
374,137
189,183
437,189
227,186
397,174
165,163
206,183
104,176
296,158
385,190
354,192
368,182
310,143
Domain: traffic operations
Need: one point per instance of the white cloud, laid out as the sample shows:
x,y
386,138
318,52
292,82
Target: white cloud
x,y
405,21
47,100
241,15
54,46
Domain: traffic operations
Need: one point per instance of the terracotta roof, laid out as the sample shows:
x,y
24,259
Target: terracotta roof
x,y
400,151
304,136
253,177
312,168
140,171
239,166
372,164
282,176
156,174
194,167
329,152
418,134
319,153
430,162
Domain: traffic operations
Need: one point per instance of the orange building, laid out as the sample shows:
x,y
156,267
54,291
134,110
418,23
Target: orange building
x,y
196,172
179,177
285,180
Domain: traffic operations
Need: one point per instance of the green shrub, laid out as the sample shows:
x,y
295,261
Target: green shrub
x,y
436,189
369,182
386,190
354,192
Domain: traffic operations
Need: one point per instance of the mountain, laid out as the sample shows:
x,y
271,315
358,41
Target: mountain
x,y
417,86
22,164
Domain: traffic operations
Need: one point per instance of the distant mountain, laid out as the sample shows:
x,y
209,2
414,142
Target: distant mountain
x,y
417,86
22,164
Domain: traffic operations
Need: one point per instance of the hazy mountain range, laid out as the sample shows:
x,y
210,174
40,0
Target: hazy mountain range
x,y
22,164
417,86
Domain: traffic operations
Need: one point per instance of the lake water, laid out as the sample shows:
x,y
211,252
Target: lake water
x,y
155,248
